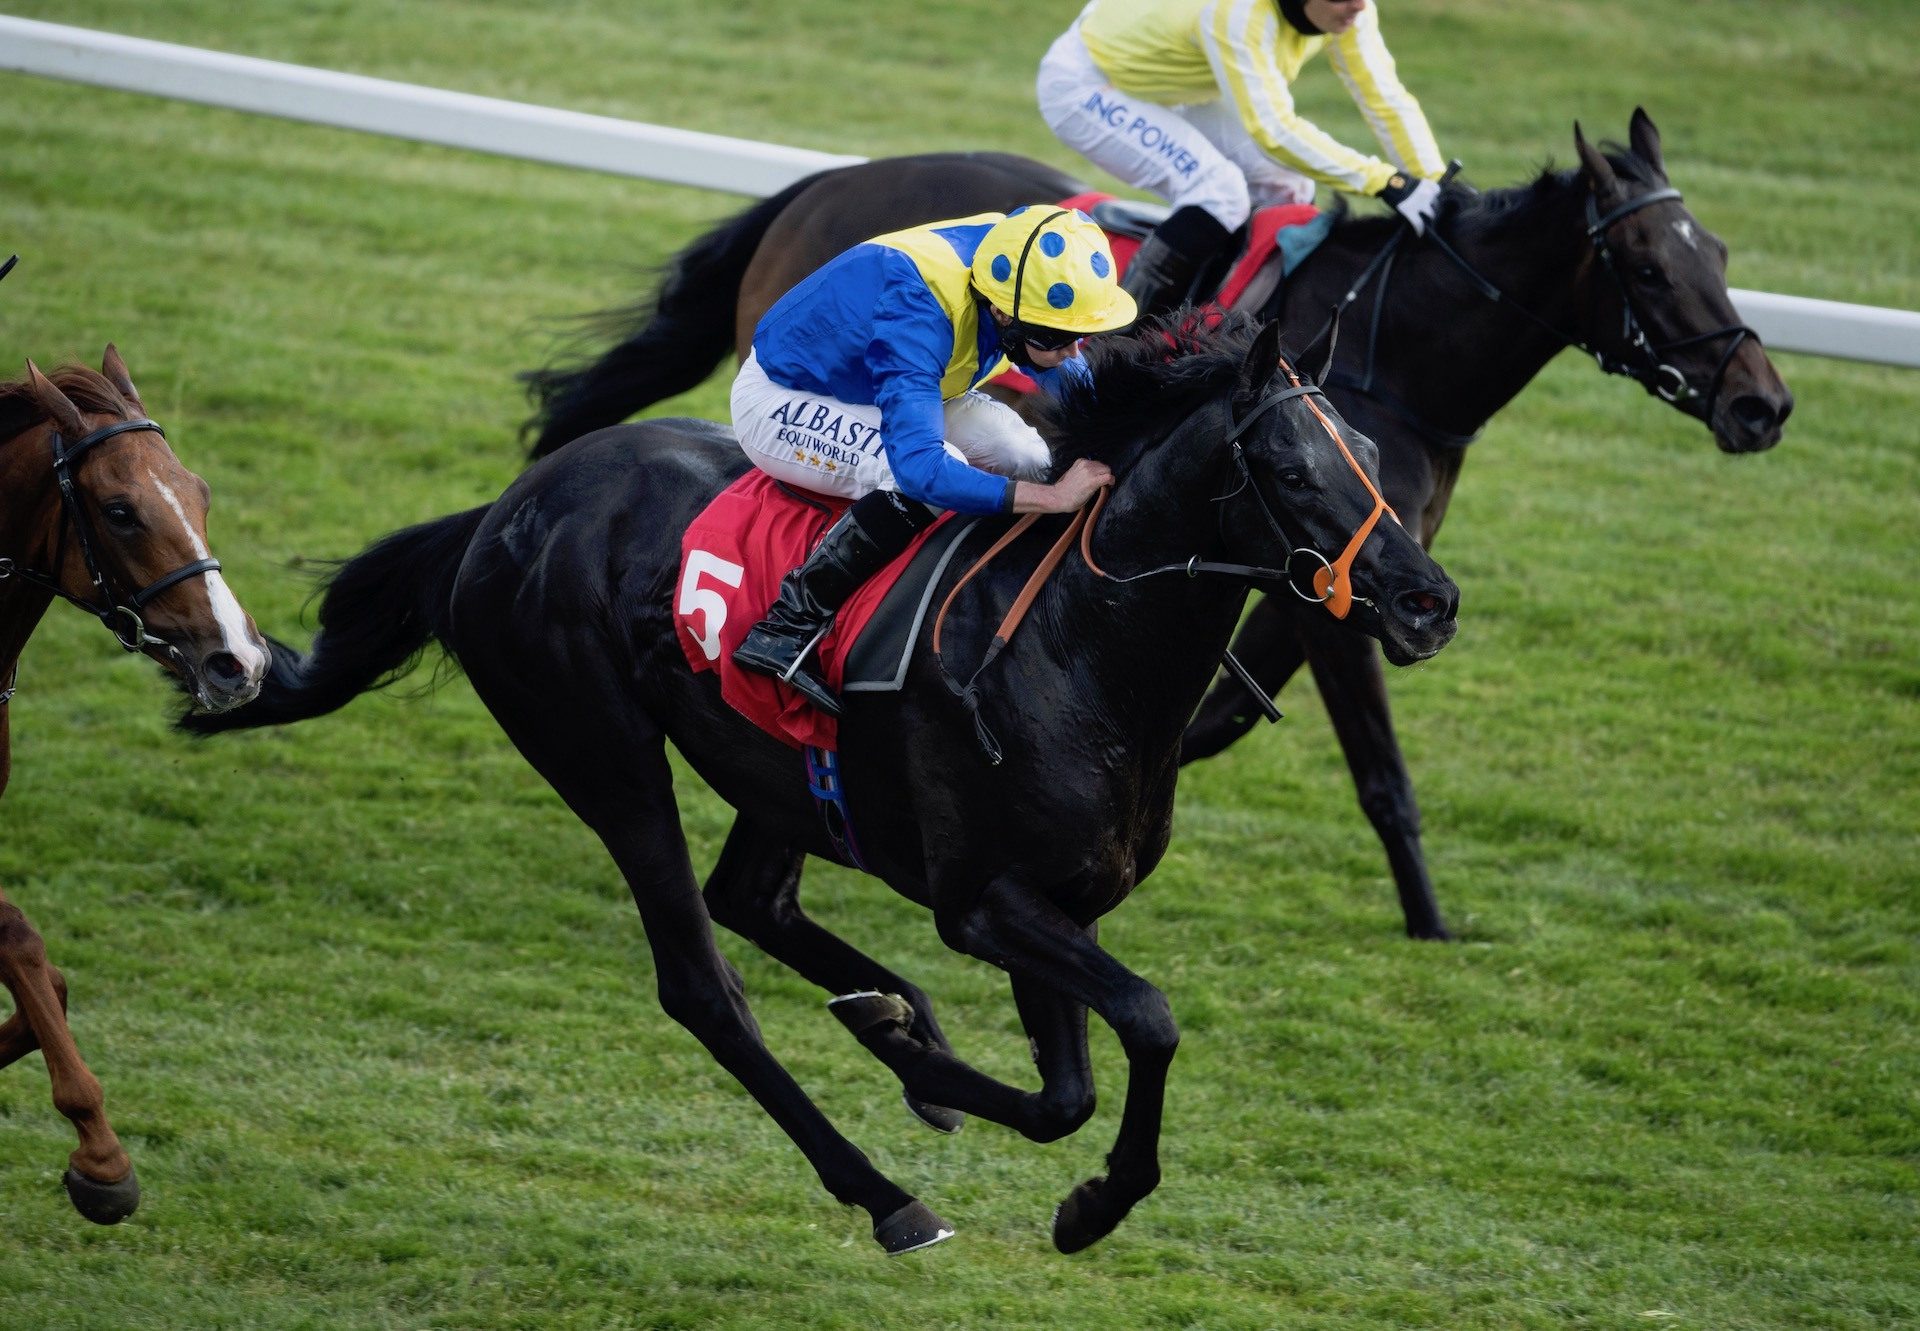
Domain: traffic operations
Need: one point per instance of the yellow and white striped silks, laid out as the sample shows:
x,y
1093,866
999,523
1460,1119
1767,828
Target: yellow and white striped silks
x,y
1179,52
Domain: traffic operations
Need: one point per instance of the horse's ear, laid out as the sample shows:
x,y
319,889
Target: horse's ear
x,y
1599,169
1646,140
116,371
1263,357
66,416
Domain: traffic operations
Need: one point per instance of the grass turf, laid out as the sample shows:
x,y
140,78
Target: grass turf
x,y
374,1015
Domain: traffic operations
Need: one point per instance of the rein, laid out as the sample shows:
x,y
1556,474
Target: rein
x,y
1332,580
1653,373
120,615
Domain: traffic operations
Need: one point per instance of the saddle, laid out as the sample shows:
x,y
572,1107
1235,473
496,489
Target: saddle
x,y
732,559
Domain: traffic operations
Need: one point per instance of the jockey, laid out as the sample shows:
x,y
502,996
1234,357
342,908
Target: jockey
x,y
1190,99
861,384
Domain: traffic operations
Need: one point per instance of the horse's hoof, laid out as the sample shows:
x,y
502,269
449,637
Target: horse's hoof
x,y
1085,1217
102,1203
864,1011
912,1227
937,1117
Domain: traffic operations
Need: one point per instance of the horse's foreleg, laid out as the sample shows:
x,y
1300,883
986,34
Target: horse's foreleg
x,y
1020,931
1347,668
100,1178
1268,645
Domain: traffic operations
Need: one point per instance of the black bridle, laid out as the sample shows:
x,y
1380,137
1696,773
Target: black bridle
x,y
121,615
1243,483
1082,527
1644,362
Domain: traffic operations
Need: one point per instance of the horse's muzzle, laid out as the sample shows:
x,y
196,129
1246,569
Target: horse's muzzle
x,y
1416,623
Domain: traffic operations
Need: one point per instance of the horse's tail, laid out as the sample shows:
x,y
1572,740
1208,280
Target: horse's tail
x,y
381,610
666,343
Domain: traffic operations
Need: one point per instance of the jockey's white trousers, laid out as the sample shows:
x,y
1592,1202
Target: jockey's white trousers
x,y
1198,155
819,443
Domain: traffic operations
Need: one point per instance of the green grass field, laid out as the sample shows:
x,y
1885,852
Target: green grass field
x,y
374,1013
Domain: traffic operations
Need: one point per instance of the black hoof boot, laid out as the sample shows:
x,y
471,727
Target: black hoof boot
x,y
937,1117
868,1011
912,1227
102,1203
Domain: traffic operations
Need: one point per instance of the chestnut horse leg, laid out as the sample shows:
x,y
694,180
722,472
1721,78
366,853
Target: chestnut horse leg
x,y
100,1180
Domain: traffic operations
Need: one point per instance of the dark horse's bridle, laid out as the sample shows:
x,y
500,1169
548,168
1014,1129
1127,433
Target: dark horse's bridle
x,y
121,615
1330,579
1644,363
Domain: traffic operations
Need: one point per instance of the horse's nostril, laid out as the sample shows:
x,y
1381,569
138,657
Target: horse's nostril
x,y
225,668
1756,414
1421,606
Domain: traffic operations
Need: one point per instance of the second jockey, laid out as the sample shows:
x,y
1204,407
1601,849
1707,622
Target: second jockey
x,y
1191,99
861,384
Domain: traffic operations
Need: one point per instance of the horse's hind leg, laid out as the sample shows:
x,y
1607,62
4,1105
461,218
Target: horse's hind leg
x,y
99,1178
632,808
754,891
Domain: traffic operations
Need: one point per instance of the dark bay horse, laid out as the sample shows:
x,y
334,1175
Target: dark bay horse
x,y
557,601
1445,333
96,509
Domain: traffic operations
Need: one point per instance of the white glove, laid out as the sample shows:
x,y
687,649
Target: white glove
x,y
1413,198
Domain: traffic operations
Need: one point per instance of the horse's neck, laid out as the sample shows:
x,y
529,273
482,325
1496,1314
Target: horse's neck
x,y
1444,349
1154,644
29,498
28,504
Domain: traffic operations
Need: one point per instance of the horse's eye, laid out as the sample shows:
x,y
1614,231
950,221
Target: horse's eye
x,y
1293,479
1652,276
120,515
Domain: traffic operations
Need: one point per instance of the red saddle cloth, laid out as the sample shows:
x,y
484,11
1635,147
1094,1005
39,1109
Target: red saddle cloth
x,y
1262,238
732,559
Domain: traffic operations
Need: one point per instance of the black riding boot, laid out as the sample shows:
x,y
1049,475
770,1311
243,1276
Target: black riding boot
x,y
1163,270
868,536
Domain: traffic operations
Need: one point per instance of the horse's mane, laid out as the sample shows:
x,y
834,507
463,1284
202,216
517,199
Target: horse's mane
x,y
87,389
1143,379
1468,215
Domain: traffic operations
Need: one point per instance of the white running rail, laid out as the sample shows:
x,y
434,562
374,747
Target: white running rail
x,y
657,152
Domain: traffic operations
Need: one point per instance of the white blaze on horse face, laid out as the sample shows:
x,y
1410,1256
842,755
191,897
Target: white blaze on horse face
x,y
1685,228
234,637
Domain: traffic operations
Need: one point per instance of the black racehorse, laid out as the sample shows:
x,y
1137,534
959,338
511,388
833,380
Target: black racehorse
x,y
1443,332
557,601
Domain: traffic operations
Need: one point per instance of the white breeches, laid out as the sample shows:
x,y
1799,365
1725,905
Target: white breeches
x,y
1192,156
831,447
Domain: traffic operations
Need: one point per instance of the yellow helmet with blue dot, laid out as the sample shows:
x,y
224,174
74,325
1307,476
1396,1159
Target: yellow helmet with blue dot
x,y
1051,267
